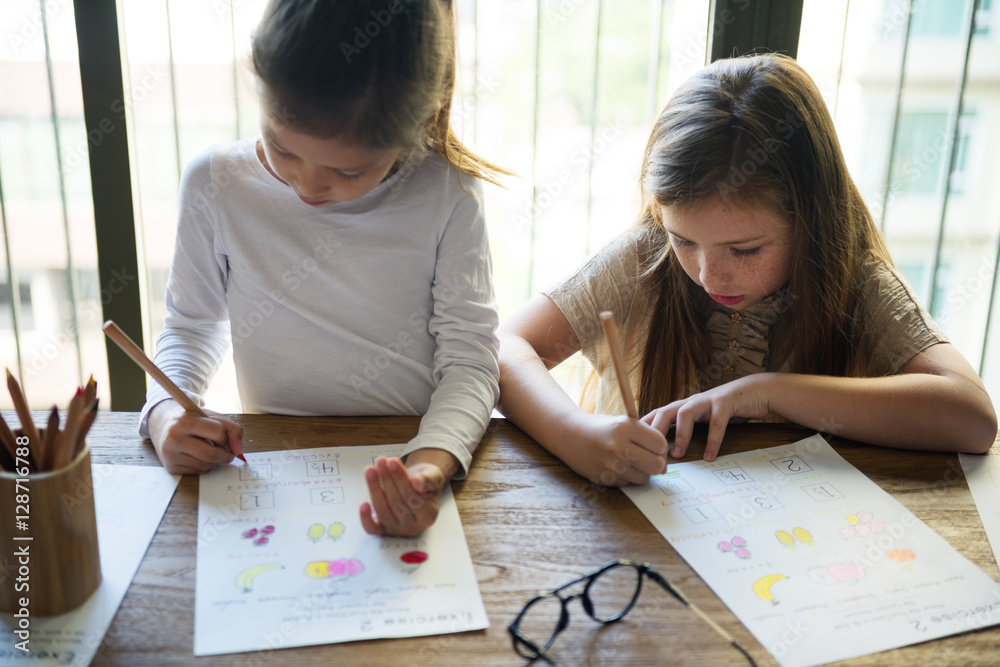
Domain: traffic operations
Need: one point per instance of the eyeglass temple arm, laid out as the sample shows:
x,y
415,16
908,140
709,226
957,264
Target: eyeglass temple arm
x,y
673,590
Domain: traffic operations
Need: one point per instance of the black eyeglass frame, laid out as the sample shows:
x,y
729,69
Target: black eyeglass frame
x,y
526,648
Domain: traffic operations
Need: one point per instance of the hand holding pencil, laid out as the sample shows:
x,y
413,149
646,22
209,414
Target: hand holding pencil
x,y
187,439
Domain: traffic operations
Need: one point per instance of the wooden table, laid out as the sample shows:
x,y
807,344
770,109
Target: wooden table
x,y
531,524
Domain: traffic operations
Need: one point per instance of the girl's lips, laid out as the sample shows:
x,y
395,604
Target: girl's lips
x,y
313,202
726,300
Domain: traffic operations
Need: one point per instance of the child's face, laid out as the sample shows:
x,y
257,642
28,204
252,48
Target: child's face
x,y
738,254
322,171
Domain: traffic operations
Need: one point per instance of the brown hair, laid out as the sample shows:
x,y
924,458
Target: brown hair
x,y
381,72
755,131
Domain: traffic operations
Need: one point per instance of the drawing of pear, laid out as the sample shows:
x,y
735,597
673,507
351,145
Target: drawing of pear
x,y
315,532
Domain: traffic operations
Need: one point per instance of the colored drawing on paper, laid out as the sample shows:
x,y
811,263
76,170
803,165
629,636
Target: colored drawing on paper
x,y
247,577
318,530
413,557
836,573
258,537
737,546
335,569
762,587
803,536
861,525
904,557
785,538
798,533
335,531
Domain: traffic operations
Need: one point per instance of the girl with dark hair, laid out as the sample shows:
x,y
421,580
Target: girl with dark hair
x,y
755,285
343,253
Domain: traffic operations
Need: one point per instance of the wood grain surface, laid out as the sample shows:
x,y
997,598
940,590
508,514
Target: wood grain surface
x,y
531,524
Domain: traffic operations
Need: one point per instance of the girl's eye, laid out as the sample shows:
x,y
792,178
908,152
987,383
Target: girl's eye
x,y
679,243
746,252
352,176
281,153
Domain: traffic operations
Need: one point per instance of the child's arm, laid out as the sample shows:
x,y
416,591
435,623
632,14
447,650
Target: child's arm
x,y
935,402
609,450
406,498
188,444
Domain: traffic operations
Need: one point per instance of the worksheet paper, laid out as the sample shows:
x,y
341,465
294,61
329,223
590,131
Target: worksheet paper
x,y
129,501
283,560
982,472
814,558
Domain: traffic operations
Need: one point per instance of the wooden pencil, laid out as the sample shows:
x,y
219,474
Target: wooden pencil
x,y
136,354
73,413
24,414
617,360
90,391
7,438
49,449
86,421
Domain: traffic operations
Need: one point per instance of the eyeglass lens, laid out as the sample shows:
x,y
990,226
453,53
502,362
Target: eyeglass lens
x,y
539,624
613,592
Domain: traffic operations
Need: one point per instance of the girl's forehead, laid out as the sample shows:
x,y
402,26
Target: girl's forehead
x,y
335,152
717,218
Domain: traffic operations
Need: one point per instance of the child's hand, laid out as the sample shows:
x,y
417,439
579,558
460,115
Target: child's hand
x,y
188,444
614,450
744,398
405,499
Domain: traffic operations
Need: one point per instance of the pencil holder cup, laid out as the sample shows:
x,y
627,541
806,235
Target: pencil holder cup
x,y
49,528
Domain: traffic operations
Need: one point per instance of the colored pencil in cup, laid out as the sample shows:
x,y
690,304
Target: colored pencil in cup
x,y
617,360
136,354
27,425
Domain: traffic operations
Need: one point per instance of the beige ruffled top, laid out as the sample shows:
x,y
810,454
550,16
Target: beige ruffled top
x,y
898,326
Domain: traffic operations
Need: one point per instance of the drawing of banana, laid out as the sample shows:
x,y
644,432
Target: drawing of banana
x,y
246,578
802,535
315,532
762,587
785,538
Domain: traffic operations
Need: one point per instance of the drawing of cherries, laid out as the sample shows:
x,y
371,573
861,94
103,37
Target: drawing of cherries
x,y
260,535
737,545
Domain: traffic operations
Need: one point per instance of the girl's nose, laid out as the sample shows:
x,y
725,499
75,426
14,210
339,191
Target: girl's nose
x,y
712,272
312,181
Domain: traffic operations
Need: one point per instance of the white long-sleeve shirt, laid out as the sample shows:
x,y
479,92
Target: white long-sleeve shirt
x,y
379,306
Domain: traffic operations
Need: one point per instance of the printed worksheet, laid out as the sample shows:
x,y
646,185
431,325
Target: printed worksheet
x,y
129,501
982,472
814,558
283,560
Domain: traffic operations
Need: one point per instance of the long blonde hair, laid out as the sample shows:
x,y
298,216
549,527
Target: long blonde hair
x,y
755,131
380,73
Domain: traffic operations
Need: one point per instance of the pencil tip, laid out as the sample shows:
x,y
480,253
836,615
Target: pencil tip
x,y
9,376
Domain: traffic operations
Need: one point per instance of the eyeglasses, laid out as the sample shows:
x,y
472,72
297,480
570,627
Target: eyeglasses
x,y
608,594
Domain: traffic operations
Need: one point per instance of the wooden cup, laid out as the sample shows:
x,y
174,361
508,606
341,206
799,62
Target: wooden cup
x,y
59,567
